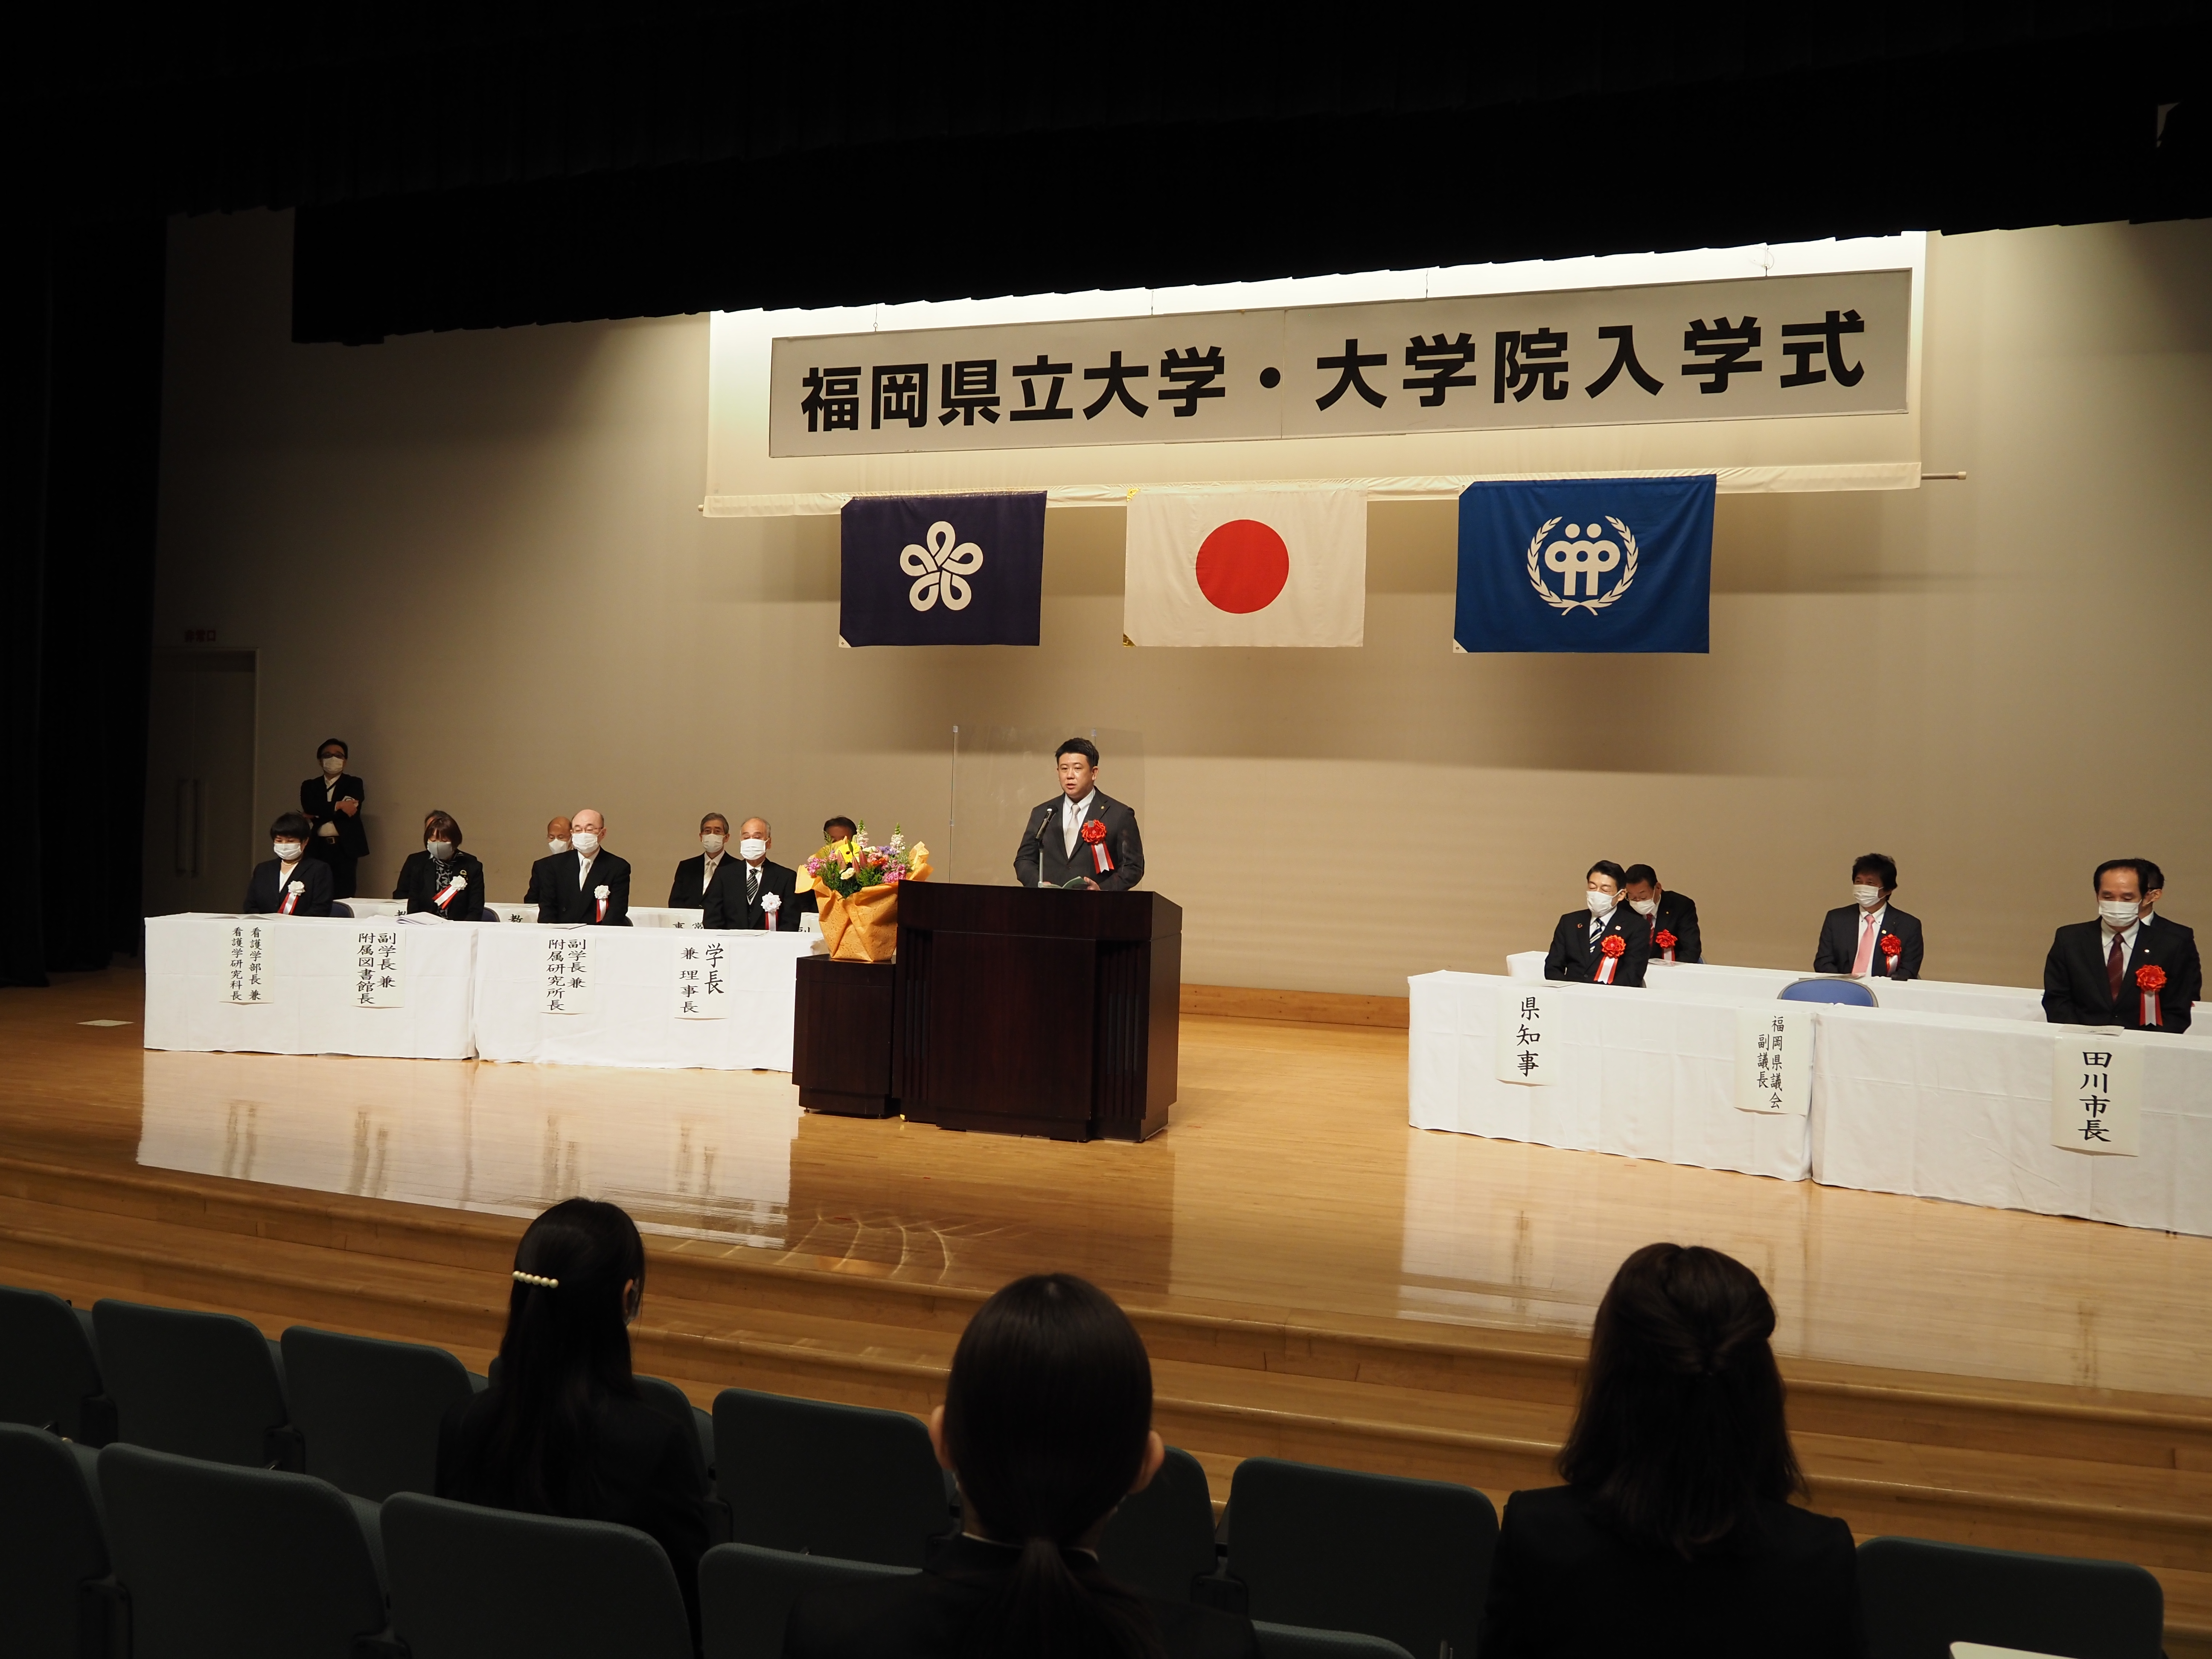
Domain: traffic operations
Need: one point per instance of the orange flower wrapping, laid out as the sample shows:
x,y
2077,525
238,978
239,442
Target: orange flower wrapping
x,y
2150,977
863,927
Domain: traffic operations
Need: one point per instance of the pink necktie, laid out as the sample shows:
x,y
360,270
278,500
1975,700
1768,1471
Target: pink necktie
x,y
1864,963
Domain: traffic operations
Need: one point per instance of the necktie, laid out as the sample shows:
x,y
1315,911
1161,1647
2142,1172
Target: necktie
x,y
1862,963
752,885
2115,964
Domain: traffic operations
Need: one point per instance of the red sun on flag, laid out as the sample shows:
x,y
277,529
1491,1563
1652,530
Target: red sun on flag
x,y
1242,566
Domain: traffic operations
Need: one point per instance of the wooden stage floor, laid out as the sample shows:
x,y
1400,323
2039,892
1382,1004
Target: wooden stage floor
x,y
1315,1278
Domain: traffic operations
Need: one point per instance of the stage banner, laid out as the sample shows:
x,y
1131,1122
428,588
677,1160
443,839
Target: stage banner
x,y
1594,564
1245,567
942,569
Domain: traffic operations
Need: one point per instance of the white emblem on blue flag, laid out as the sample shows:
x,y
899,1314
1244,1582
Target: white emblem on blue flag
x,y
939,567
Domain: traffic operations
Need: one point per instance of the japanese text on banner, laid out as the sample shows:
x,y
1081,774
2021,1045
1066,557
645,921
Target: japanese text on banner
x,y
568,981
2096,1095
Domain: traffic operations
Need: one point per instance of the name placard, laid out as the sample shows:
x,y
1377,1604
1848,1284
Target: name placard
x,y
568,978
1529,1036
379,969
702,981
245,976
2096,1095
1774,1061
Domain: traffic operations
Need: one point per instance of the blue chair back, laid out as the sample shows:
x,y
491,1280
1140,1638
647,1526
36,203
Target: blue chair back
x,y
1918,1597
197,1384
1847,992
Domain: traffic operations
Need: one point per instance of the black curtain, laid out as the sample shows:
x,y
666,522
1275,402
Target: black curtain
x,y
83,391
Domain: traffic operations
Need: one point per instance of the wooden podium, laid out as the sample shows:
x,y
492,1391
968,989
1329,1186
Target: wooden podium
x,y
1036,1012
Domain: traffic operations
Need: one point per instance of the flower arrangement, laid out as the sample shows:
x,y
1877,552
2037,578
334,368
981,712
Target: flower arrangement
x,y
844,868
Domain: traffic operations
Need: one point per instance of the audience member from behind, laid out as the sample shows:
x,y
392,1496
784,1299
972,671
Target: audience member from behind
x,y
1047,1423
442,878
291,884
563,1431
1673,1534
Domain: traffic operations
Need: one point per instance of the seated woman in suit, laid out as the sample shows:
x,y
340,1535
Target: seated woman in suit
x,y
291,884
563,1431
426,879
1047,1424
1674,1533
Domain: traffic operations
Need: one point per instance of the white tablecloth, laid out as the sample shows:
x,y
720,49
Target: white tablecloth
x,y
367,909
631,1017
1710,980
1960,1109
809,923
1644,1076
309,977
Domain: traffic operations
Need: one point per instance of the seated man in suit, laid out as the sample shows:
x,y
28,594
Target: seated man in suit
x,y
1579,950
557,847
742,899
695,876
1673,917
2113,970
590,886
1870,936
291,884
1082,837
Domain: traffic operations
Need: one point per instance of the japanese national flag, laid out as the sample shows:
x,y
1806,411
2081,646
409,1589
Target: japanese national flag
x,y
1274,566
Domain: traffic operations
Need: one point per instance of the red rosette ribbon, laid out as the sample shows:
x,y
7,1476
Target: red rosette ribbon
x,y
1094,833
1892,947
1664,939
2150,979
1612,947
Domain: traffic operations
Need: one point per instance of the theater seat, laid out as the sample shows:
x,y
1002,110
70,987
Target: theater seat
x,y
51,1376
250,1564
468,1583
52,1550
1848,993
844,1481
1295,1642
197,1384
1331,1550
1918,1597
369,1410
745,1595
1162,1538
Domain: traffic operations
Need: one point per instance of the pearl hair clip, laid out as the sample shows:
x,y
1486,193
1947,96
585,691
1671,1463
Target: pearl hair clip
x,y
537,1279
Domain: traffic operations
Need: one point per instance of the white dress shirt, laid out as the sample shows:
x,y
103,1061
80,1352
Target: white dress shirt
x,y
2125,935
584,872
706,871
1071,818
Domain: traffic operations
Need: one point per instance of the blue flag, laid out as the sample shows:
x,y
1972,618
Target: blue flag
x,y
1589,564
942,569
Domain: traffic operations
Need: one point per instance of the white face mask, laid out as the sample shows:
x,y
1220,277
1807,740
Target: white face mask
x,y
1600,904
439,850
713,843
288,852
556,847
2119,914
333,765
1868,897
1644,907
586,843
752,847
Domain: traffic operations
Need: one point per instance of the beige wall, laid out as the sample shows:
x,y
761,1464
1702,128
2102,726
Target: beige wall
x,y
478,558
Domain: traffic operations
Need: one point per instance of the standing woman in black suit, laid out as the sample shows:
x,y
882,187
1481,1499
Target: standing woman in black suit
x,y
1674,1533
332,803
441,876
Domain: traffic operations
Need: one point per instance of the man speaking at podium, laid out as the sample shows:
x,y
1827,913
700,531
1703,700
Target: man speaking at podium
x,y
1081,838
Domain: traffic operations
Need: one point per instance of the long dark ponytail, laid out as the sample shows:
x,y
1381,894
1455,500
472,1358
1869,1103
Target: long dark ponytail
x,y
1048,1414
565,1353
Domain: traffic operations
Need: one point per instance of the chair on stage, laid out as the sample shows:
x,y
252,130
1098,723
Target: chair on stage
x,y
341,910
1918,1597
1296,1641
847,1481
197,1384
53,1553
467,1581
242,1562
1332,1550
1161,1539
1846,992
52,1379
746,1593
369,1410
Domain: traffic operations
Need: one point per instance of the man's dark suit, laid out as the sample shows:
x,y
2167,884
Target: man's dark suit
x,y
343,853
1677,914
541,878
1838,950
1043,851
689,892
1575,954
2077,986
726,905
562,902
262,897
2195,989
